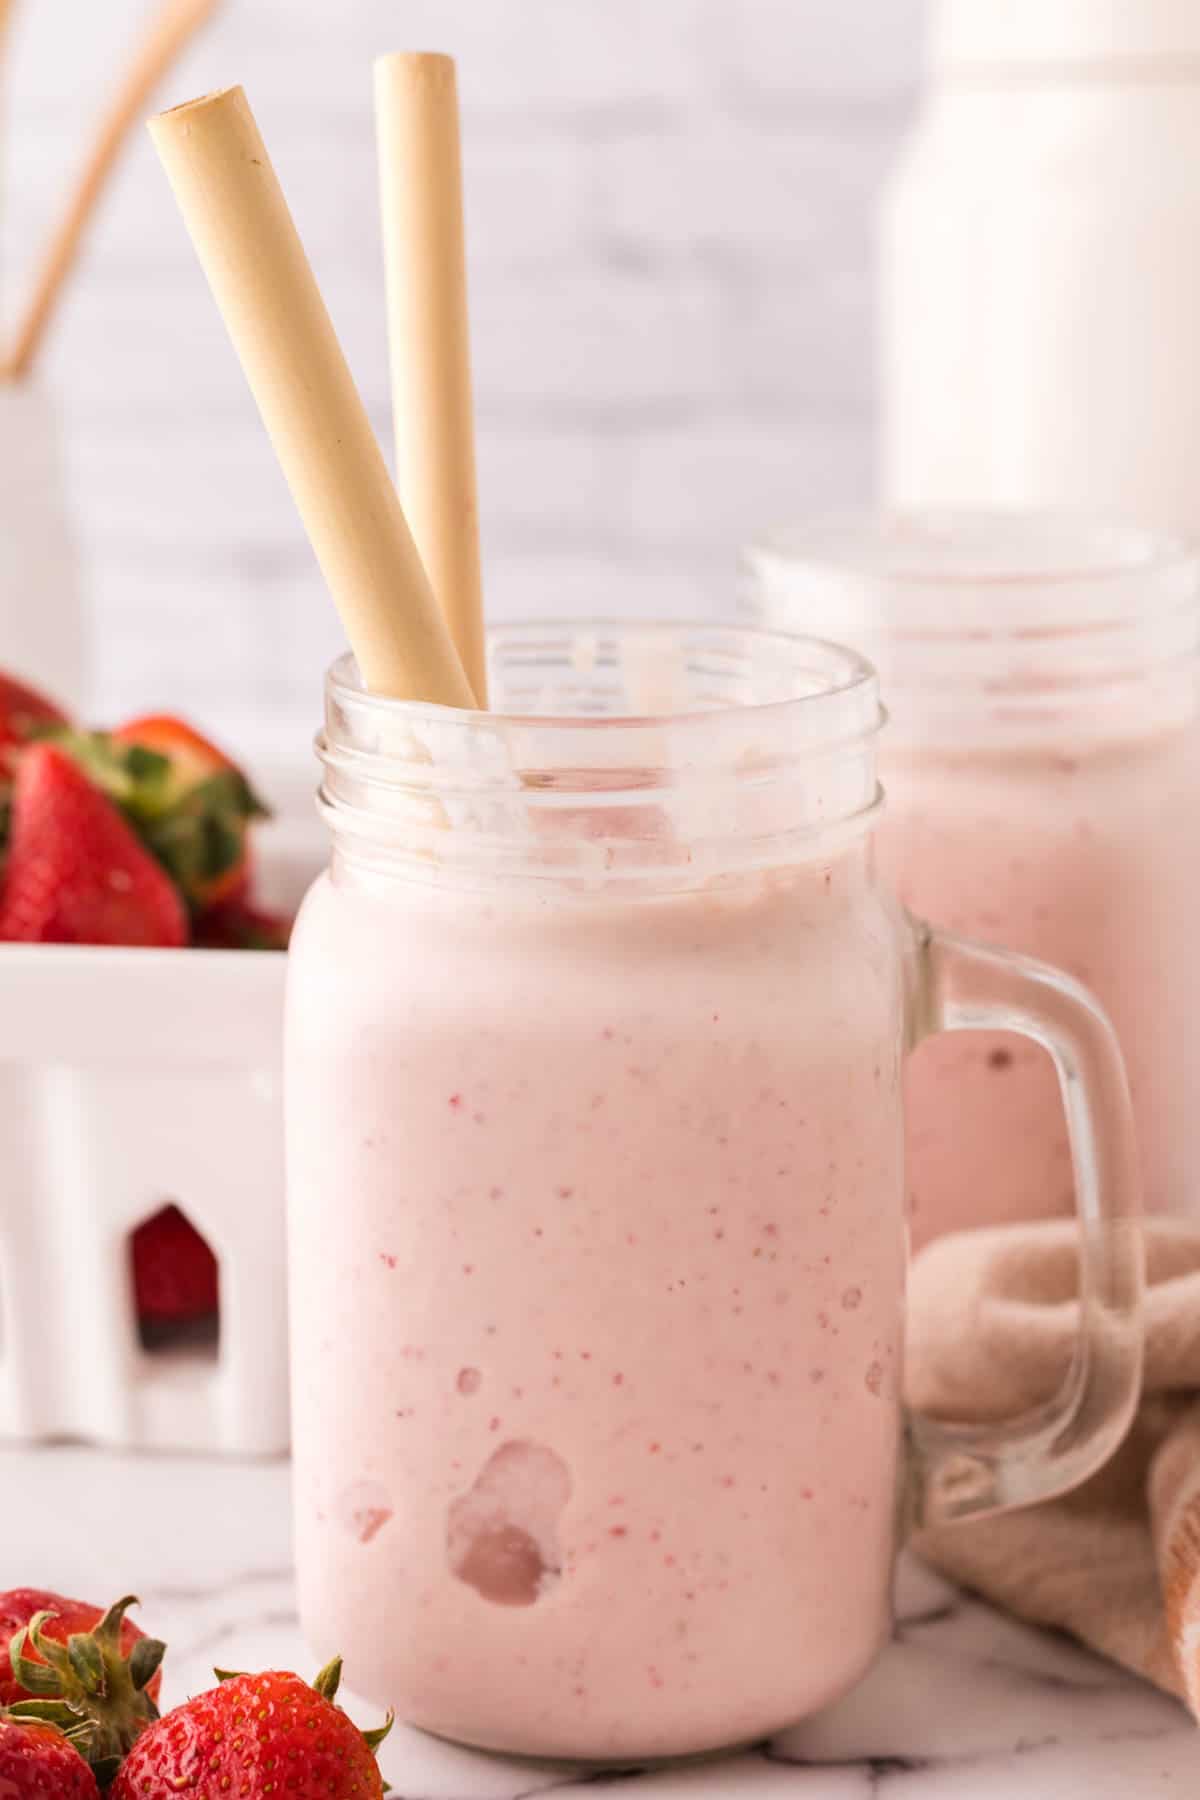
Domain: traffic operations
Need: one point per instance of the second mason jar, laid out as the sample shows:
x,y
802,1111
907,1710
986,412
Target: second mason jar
x,y
1042,767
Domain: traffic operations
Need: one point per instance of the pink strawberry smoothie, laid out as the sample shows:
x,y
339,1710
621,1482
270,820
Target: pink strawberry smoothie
x,y
597,1268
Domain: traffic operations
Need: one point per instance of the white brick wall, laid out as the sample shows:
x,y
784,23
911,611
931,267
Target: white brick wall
x,y
670,207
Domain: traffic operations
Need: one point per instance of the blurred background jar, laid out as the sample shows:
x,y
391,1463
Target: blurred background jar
x,y
1041,771
1041,263
42,614
43,627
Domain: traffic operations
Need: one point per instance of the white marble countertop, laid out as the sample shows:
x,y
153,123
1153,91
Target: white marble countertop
x,y
964,1705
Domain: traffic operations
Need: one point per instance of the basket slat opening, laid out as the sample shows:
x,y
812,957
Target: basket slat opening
x,y
176,1286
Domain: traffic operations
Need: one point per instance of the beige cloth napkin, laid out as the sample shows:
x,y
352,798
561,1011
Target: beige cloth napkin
x,y
993,1316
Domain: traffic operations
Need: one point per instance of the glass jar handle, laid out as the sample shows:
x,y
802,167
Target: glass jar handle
x,y
957,1471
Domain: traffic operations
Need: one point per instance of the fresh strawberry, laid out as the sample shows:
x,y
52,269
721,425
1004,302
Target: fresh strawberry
x,y
190,806
196,817
236,925
97,1684
196,755
174,1271
37,1762
19,1606
76,873
257,1736
22,714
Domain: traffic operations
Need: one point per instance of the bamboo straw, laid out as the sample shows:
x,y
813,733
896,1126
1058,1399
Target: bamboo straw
x,y
175,23
239,222
420,173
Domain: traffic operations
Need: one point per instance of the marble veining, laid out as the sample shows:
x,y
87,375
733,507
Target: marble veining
x,y
964,1704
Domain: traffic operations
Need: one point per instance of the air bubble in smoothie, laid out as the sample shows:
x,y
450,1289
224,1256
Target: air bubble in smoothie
x,y
363,1510
502,1534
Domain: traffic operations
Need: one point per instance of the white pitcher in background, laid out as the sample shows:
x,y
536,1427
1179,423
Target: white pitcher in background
x,y
42,623
1041,264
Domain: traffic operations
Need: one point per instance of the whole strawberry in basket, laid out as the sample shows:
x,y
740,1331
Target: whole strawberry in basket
x,y
190,806
139,836
194,806
23,714
75,871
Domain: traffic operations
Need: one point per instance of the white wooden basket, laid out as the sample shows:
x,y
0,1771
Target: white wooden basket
x,y
129,1080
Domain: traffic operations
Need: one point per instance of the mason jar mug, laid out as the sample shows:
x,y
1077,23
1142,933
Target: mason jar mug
x,y
596,1198
1041,674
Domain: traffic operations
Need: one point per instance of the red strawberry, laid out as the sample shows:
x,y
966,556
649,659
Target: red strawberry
x,y
76,873
96,1683
257,1736
174,1271
235,925
21,712
38,1763
20,1606
194,810
195,755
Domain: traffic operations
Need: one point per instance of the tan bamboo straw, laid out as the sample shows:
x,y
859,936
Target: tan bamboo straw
x,y
420,172
173,25
239,222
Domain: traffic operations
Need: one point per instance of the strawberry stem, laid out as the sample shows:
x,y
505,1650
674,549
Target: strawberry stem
x,y
376,1736
329,1680
87,1687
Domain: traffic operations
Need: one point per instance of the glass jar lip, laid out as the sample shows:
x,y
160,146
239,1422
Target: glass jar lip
x,y
854,681
662,753
1049,571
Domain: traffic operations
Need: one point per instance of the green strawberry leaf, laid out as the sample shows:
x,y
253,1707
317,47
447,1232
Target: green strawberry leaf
x,y
136,779
202,836
196,831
